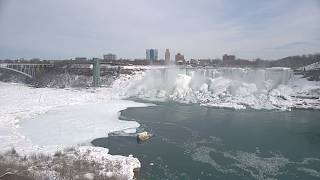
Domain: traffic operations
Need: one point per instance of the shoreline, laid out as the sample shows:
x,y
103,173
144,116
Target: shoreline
x,y
13,116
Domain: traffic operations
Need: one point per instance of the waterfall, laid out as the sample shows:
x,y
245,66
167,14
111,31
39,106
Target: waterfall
x,y
219,87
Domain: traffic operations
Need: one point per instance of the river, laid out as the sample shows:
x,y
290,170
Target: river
x,y
196,142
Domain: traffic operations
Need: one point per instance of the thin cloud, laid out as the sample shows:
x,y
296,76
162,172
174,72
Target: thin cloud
x,y
199,29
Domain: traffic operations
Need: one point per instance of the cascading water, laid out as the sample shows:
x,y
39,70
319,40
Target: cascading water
x,y
237,88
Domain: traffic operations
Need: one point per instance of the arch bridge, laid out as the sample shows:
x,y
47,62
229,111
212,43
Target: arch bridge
x,y
29,70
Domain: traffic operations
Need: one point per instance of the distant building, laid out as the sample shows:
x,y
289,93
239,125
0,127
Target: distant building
x,y
227,57
205,62
80,58
229,60
109,57
167,56
194,62
35,60
152,54
179,58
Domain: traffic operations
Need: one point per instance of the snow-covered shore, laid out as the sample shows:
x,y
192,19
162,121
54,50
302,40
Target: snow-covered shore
x,y
20,103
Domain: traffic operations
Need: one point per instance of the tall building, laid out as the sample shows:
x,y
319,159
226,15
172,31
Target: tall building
x,y
167,56
109,57
179,58
152,54
147,54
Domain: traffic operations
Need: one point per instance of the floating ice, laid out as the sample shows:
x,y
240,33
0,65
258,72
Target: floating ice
x,y
309,171
258,165
78,124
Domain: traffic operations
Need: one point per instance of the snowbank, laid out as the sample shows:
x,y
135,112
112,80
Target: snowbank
x,y
84,162
71,117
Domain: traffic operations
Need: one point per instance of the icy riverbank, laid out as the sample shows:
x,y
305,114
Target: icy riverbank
x,y
85,114
80,162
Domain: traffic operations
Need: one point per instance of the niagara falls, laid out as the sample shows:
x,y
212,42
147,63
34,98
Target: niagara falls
x,y
159,90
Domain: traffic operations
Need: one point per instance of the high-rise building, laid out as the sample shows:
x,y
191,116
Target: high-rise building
x,y
167,56
152,54
110,57
180,59
147,54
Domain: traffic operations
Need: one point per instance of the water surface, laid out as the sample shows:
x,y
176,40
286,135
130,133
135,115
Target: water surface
x,y
194,142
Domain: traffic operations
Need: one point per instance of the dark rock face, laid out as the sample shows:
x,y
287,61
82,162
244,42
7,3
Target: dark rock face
x,y
68,80
66,76
64,80
8,76
13,177
313,75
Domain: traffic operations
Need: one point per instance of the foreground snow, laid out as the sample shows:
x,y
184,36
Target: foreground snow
x,y
74,117
84,162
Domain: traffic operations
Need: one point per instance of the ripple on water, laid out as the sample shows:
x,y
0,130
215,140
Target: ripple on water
x,y
246,163
258,167
212,151
237,162
311,172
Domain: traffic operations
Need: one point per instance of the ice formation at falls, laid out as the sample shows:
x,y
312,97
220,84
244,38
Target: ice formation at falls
x,y
271,88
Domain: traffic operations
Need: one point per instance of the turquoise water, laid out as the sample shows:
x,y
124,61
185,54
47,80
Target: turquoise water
x,y
194,142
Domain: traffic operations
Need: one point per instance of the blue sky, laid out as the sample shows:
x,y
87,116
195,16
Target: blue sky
x,y
57,29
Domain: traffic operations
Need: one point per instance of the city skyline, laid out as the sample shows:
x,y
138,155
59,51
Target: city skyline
x,y
155,57
200,29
